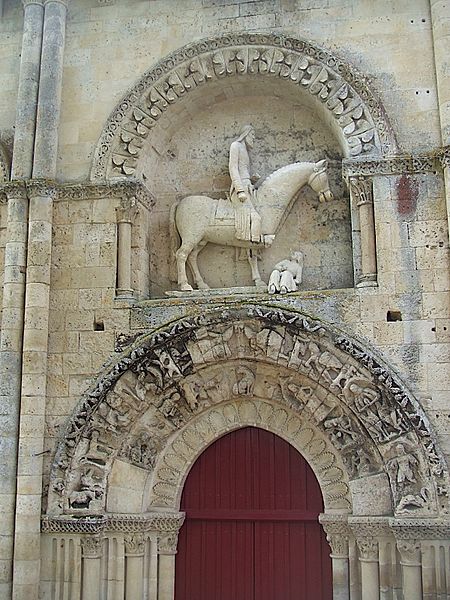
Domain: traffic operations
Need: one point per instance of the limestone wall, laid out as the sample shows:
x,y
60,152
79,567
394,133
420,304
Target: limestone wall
x,y
109,45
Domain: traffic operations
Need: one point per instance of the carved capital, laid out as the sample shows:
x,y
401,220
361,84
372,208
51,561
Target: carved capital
x,y
410,552
134,544
337,532
368,548
65,3
27,3
127,210
168,542
444,157
44,188
92,546
15,190
362,190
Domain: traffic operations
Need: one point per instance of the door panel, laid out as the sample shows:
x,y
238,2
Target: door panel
x,y
251,529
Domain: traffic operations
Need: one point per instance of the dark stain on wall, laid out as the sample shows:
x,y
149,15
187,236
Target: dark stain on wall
x,y
407,194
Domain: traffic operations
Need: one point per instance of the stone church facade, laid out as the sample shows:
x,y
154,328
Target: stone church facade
x,y
113,381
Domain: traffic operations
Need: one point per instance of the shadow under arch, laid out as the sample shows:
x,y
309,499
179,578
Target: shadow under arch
x,y
343,94
250,365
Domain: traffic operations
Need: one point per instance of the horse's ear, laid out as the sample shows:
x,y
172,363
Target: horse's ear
x,y
322,164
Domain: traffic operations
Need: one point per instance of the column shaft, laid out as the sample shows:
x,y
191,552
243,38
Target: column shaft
x,y
134,577
91,579
10,372
49,105
370,581
166,577
27,93
341,590
33,397
124,259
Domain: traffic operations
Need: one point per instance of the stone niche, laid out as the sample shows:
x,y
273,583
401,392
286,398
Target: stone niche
x,y
187,153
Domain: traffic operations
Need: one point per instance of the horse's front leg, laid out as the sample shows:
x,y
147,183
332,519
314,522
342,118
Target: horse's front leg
x,y
252,257
193,264
182,255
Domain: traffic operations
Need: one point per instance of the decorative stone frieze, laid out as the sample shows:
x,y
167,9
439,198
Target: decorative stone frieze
x,y
292,372
340,89
157,521
392,165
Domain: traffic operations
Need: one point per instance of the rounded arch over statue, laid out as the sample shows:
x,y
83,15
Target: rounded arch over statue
x,y
347,99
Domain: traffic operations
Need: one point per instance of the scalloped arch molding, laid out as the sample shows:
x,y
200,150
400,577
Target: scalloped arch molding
x,y
339,88
176,390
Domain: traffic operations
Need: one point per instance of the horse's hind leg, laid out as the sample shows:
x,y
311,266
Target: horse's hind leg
x,y
192,261
182,255
253,261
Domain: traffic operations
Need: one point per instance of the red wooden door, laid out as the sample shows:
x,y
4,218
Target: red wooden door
x,y
251,529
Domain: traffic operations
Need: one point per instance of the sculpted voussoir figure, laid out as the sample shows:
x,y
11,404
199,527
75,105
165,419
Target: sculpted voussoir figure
x,y
251,220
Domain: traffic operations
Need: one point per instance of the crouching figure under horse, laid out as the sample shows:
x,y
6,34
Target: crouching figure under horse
x,y
200,220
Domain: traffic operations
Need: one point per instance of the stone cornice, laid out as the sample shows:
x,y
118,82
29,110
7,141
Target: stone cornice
x,y
125,189
160,522
408,164
420,529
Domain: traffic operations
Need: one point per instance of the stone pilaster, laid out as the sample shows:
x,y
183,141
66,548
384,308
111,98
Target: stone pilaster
x,y
410,559
33,391
126,212
10,369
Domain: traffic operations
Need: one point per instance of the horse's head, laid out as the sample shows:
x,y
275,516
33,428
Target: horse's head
x,y
318,181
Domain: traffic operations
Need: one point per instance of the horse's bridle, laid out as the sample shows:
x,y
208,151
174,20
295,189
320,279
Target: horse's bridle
x,y
316,180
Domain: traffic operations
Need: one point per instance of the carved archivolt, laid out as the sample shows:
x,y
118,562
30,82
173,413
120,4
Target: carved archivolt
x,y
342,91
175,391
180,454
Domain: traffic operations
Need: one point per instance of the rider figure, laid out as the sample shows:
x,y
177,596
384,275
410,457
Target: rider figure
x,y
247,220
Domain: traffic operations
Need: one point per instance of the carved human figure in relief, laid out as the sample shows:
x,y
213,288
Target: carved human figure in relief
x,y
247,220
404,466
287,274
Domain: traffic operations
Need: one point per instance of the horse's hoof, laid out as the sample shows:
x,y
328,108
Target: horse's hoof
x,y
186,287
272,289
259,283
203,286
283,289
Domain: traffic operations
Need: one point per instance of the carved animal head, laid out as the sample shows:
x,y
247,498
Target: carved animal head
x,y
318,181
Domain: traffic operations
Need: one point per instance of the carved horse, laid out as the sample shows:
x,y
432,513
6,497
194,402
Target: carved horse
x,y
199,220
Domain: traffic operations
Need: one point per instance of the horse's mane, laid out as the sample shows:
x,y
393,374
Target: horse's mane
x,y
285,169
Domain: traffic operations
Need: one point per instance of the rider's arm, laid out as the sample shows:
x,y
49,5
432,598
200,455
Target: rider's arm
x,y
234,167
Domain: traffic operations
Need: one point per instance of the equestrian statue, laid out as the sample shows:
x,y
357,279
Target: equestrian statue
x,y
248,219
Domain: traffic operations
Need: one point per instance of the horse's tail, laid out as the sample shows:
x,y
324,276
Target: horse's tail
x,y
175,242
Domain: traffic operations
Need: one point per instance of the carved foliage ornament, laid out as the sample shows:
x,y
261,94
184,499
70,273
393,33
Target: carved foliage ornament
x,y
180,372
342,91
